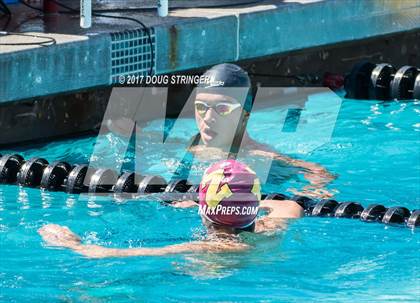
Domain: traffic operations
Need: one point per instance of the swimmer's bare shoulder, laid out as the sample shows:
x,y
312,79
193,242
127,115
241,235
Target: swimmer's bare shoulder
x,y
278,214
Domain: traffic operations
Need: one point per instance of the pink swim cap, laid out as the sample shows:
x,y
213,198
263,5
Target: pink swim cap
x,y
230,194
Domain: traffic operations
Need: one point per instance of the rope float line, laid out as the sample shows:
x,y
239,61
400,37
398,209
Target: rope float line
x,y
61,176
382,82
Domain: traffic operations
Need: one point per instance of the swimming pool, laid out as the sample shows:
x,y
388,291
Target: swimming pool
x,y
373,149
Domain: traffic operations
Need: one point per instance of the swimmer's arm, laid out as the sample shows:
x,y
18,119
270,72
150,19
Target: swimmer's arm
x,y
95,251
317,175
56,235
278,213
316,169
184,204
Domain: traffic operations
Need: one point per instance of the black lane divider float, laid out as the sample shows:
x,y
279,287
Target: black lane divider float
x,y
382,82
61,176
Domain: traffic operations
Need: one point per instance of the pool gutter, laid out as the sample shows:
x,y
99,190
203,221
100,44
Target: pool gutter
x,y
190,39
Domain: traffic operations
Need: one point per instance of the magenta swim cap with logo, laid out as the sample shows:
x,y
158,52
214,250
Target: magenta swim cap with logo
x,y
230,194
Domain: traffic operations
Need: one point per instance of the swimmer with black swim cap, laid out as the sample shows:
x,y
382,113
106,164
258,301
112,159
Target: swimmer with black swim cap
x,y
229,203
222,107
222,110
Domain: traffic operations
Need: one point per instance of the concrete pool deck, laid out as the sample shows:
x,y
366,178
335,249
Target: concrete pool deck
x,y
186,39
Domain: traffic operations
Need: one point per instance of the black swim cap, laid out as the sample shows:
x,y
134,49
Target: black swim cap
x,y
228,75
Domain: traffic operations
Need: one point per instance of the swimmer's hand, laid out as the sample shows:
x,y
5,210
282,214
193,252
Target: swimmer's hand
x,y
318,175
184,204
56,235
314,192
318,178
62,236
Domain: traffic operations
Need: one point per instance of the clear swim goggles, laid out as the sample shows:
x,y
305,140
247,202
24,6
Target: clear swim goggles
x,y
221,108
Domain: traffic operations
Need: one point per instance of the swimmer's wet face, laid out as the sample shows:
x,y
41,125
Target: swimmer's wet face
x,y
217,118
222,106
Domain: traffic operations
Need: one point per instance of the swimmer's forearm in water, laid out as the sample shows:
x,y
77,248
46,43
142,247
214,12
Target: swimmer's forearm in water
x,y
317,175
278,212
184,204
61,236
95,251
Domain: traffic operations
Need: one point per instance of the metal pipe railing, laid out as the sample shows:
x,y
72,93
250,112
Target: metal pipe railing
x,y
162,6
85,13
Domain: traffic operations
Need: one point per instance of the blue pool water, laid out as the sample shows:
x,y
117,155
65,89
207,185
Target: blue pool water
x,y
374,150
